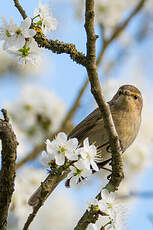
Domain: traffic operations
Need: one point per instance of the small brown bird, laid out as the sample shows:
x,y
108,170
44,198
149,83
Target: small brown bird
x,y
126,107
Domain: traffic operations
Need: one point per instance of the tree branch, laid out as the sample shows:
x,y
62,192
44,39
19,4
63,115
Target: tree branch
x,y
7,174
87,218
116,163
20,9
54,178
90,216
59,47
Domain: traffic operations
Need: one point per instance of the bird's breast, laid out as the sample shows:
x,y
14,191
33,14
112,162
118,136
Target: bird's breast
x,y
127,126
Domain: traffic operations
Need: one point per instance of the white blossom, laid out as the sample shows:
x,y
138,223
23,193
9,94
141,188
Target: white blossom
x,y
37,112
114,218
108,202
88,153
45,20
6,32
78,172
14,36
29,53
22,32
46,158
62,148
93,202
114,210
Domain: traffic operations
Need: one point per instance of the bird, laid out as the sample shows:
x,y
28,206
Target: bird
x,y
126,108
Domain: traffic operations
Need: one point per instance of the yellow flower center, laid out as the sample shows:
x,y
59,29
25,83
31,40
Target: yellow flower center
x,y
62,149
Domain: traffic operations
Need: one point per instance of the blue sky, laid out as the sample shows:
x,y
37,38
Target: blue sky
x,y
65,77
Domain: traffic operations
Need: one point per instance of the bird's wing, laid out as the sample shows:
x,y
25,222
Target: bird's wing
x,y
82,129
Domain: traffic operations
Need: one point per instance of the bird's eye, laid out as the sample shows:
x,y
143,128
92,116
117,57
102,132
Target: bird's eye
x,y
135,97
120,92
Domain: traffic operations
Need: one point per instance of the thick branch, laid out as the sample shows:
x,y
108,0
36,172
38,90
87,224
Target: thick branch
x,y
7,174
20,9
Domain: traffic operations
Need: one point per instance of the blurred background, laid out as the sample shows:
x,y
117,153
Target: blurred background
x,y
38,98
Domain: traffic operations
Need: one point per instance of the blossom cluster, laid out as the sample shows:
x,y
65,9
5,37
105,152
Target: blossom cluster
x,y
36,113
112,212
62,149
19,40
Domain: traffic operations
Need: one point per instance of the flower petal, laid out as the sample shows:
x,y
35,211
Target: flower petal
x,y
32,33
26,23
59,159
74,180
61,137
94,165
72,143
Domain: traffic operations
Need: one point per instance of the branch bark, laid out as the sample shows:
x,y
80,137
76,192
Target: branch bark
x,y
7,174
96,90
20,9
59,47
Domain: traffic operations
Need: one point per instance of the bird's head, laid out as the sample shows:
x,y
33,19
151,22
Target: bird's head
x,y
128,97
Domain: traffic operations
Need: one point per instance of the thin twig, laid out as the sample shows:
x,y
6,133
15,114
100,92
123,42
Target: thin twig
x,y
7,174
118,30
20,9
